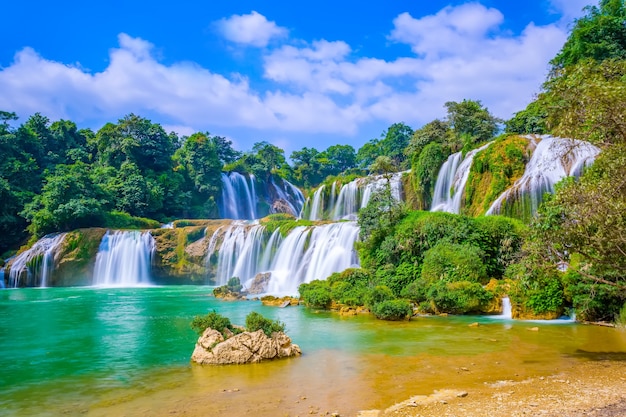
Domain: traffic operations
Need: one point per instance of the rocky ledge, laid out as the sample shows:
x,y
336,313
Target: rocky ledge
x,y
247,347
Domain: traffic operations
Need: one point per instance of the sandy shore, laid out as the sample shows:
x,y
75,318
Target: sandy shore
x,y
591,388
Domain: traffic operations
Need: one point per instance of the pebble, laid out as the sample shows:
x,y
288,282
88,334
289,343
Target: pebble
x,y
462,394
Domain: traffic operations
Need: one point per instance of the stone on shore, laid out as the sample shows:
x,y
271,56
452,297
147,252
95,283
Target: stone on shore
x,y
247,347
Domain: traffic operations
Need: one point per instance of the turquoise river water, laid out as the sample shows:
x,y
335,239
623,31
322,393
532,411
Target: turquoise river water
x,y
115,351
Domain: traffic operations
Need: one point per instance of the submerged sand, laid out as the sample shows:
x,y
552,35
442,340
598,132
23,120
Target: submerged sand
x,y
593,388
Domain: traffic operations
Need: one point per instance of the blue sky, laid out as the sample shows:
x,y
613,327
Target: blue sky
x,y
294,74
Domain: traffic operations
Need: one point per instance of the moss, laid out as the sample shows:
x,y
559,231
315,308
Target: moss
x,y
285,222
121,220
493,171
77,257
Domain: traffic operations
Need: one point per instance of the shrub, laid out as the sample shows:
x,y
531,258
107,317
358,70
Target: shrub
x,y
377,295
454,262
316,294
234,285
392,310
458,297
255,321
212,320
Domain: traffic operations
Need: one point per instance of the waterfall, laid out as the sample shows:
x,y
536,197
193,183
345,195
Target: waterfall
x,y
238,197
291,195
2,285
507,312
35,264
305,254
355,195
124,259
451,181
552,160
317,206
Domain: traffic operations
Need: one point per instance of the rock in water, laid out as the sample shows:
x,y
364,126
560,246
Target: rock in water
x,y
259,283
246,347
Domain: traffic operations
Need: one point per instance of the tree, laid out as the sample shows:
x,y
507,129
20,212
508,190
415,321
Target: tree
x,y
268,158
69,200
471,122
599,35
588,102
340,158
367,153
224,149
436,131
395,140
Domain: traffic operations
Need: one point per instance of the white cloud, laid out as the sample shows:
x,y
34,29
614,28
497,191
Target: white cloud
x,y
320,87
250,29
571,9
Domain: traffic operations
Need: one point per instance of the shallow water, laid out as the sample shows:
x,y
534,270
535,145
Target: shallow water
x,y
103,351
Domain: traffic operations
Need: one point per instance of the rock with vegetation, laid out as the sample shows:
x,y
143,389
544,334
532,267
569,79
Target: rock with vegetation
x,y
221,343
231,291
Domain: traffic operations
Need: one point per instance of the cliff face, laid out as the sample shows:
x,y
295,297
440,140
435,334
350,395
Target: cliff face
x,y
179,257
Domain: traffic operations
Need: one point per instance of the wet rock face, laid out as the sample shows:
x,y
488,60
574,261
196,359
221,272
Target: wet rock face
x,y
246,347
259,283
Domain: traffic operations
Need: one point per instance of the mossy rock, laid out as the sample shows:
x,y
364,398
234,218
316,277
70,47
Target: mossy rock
x,y
493,171
77,258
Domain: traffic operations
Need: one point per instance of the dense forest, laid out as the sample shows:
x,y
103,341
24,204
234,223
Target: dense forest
x,y
572,253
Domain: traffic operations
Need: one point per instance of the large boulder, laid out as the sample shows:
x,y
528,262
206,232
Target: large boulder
x,y
259,283
246,347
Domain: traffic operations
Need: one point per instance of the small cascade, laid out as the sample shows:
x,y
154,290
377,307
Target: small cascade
x,y
552,160
291,195
305,254
2,284
124,259
451,181
351,197
239,199
32,268
317,206
507,311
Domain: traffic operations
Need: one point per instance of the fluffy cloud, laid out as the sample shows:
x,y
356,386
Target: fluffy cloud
x,y
321,87
250,29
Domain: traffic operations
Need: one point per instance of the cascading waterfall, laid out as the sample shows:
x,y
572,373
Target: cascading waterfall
x,y
451,181
352,197
552,160
291,195
124,259
317,206
305,254
239,199
34,266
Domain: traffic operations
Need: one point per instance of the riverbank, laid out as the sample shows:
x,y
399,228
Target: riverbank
x,y
592,388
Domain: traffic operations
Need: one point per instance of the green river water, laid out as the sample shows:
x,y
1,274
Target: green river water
x,y
115,351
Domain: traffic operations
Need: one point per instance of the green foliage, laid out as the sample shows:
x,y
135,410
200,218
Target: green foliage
x,y
531,120
392,145
122,220
350,287
454,262
255,321
393,310
234,284
471,122
377,295
493,171
459,297
212,320
620,318
316,294
584,100
425,168
599,35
